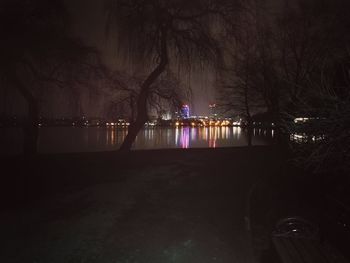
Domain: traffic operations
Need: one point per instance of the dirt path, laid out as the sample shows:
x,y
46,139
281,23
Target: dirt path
x,y
188,208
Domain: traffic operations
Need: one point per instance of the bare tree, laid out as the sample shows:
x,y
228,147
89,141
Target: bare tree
x,y
34,50
167,94
158,33
244,81
325,92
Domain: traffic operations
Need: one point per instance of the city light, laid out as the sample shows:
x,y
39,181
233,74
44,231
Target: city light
x,y
301,120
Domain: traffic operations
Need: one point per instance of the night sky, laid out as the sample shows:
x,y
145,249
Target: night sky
x,y
89,21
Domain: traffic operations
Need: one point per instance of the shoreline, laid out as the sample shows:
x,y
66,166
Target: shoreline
x,y
96,153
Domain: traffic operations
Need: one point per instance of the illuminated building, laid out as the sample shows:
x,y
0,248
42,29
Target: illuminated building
x,y
212,110
185,111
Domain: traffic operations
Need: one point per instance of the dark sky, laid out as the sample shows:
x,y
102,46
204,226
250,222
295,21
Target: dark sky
x,y
89,20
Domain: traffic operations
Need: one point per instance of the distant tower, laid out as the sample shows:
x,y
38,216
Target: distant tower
x,y
212,110
185,111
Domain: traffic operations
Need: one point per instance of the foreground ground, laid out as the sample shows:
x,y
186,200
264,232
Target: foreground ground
x,y
145,206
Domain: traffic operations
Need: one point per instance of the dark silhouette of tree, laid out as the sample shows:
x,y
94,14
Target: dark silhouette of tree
x,y
296,58
158,34
302,70
254,59
324,90
166,93
35,51
238,81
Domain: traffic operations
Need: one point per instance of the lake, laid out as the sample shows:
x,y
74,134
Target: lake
x,y
91,139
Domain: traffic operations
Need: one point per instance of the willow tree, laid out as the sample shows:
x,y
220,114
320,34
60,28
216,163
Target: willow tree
x,y
35,52
161,34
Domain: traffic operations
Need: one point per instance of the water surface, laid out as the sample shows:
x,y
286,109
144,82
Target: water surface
x,y
74,139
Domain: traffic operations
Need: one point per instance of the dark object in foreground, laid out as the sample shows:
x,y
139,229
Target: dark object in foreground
x,y
297,240
337,220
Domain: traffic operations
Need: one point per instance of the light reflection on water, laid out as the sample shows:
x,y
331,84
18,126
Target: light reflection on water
x,y
196,137
69,139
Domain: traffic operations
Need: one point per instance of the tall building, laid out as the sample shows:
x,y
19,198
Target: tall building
x,y
212,110
185,111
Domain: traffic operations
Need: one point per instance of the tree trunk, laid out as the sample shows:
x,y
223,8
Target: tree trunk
x,y
136,126
30,128
282,136
132,108
142,115
247,108
250,132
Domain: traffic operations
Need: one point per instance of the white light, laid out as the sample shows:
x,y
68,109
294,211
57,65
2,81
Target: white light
x,y
301,119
